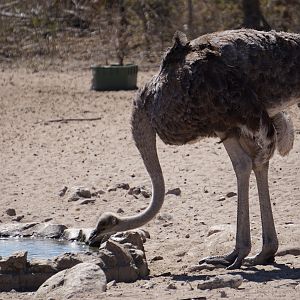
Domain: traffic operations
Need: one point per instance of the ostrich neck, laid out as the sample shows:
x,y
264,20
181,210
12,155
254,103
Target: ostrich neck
x,y
145,140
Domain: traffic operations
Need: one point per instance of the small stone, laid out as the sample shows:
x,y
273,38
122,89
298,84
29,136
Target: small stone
x,y
165,217
111,283
223,294
134,191
231,194
87,201
221,281
187,236
79,192
156,258
120,211
149,285
123,186
145,194
221,199
11,212
48,219
18,218
63,191
98,193
176,192
171,286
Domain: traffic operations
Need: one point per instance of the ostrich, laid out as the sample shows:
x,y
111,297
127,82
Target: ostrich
x,y
233,85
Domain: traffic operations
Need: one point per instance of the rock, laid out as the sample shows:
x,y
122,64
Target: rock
x,y
156,258
204,266
18,218
122,186
85,234
123,257
63,191
79,192
289,250
17,229
15,263
87,201
66,261
48,219
111,284
164,217
11,212
221,199
134,191
221,281
223,294
98,193
219,228
84,278
176,192
72,234
52,231
171,286
139,190
231,194
148,285
120,211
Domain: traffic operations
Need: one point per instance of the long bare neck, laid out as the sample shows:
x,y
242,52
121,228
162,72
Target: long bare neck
x,y
145,140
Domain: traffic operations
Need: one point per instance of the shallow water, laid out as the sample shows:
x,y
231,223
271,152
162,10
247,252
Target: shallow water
x,y
39,248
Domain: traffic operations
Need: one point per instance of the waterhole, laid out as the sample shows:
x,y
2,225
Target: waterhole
x,y
40,248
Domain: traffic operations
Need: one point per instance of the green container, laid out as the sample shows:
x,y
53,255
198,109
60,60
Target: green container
x,y
114,77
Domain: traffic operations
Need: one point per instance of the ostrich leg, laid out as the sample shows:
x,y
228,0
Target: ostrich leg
x,y
270,242
242,165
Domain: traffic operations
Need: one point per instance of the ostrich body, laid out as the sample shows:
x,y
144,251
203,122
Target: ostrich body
x,y
233,85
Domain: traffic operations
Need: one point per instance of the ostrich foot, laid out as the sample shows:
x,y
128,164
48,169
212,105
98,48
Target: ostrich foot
x,y
260,259
230,261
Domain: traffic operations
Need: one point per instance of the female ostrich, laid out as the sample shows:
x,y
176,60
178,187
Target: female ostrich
x,y
233,85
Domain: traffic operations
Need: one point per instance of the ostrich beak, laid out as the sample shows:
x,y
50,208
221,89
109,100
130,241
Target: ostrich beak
x,y
95,239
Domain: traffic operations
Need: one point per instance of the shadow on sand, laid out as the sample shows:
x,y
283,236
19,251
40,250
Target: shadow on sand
x,y
253,274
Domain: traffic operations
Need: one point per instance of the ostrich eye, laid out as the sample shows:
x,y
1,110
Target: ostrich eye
x,y
101,224
113,221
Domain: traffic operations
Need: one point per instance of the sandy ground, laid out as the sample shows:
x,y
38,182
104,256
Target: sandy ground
x,y
38,158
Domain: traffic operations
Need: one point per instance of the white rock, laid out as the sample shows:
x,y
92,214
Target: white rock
x,y
76,282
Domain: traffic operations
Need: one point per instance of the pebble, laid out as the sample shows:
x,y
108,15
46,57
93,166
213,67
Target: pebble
x,y
11,212
221,281
221,199
111,283
63,191
223,294
176,192
48,219
231,194
87,201
156,258
120,211
18,218
171,286
123,186
149,285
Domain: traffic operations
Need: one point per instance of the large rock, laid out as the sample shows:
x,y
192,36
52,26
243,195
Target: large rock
x,y
77,282
123,257
17,229
51,231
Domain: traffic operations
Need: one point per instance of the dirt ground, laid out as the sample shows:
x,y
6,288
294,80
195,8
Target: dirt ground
x,y
38,158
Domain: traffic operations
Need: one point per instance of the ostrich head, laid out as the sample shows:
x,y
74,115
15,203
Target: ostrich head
x,y
108,223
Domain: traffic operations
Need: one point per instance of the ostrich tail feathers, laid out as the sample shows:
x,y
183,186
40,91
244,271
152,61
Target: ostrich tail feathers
x,y
285,132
